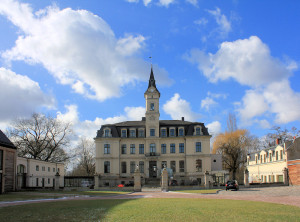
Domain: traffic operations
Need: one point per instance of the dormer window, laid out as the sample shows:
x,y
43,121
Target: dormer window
x,y
163,133
181,132
172,132
198,130
124,133
107,132
132,133
152,107
141,133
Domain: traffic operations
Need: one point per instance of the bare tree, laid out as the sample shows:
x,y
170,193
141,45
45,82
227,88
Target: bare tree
x,y
85,158
231,123
278,133
41,137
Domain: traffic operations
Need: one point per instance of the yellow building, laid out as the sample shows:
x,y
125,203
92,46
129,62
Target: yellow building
x,y
182,146
267,166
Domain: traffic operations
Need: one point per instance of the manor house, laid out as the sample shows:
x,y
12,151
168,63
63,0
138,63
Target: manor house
x,y
182,146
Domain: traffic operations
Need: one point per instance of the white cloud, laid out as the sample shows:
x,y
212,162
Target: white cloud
x,y
20,96
207,103
166,3
250,63
132,1
222,21
202,21
78,48
214,128
147,2
88,128
193,2
177,108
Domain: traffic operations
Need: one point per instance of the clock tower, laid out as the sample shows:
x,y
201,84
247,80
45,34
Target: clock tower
x,y
152,96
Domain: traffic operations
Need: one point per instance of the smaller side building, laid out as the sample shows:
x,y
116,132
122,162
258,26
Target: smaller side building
x,y
267,165
8,154
293,161
38,174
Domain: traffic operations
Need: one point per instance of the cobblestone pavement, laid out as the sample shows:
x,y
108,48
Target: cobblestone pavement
x,y
282,195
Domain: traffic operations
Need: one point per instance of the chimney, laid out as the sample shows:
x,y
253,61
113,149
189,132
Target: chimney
x,y
278,141
182,118
143,118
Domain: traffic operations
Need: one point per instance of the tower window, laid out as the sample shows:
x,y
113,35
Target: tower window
x,y
152,132
152,106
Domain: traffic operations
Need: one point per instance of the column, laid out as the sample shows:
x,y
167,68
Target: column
x,y
137,180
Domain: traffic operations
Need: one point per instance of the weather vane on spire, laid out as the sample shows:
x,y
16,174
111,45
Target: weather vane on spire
x,y
150,57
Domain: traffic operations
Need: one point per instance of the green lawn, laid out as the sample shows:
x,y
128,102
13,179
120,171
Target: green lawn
x,y
152,210
15,196
212,191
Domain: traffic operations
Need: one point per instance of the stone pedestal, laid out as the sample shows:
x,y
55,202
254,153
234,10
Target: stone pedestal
x,y
96,177
56,186
137,181
246,178
285,176
206,180
19,181
164,180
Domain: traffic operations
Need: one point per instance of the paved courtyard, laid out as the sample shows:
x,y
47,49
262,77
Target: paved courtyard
x,y
282,195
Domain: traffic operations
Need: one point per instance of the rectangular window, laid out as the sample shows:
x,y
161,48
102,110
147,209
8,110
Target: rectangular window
x,y
141,166
270,157
152,148
181,147
37,167
106,167
172,132
141,133
37,182
163,133
48,180
181,132
124,133
132,149
163,148
152,132
132,166
106,148
106,133
123,167
198,147
198,131
132,133
48,169
53,170
43,168
181,166
123,149
141,149
172,148
164,164
173,166
199,165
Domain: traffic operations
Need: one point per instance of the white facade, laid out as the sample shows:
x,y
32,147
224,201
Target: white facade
x,y
37,173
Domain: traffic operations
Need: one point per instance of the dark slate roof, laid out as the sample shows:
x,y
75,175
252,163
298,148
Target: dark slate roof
x,y
5,142
188,127
152,80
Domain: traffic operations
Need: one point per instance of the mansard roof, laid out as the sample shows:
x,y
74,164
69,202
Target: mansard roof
x,y
117,127
5,142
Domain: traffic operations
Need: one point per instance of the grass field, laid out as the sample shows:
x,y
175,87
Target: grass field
x,y
15,196
151,210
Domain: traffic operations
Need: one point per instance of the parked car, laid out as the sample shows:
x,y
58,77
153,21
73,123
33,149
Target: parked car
x,y
232,184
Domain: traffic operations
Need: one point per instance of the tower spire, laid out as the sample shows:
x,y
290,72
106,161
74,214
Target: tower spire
x,y
151,79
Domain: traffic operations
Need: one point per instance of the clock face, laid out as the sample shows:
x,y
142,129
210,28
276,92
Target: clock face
x,y
151,90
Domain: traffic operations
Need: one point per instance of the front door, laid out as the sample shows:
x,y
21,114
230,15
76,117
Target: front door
x,y
152,169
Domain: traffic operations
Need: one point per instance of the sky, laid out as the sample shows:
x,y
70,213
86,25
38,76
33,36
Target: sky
x,y
88,62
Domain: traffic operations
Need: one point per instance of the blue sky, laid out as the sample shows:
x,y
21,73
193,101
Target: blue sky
x,y
88,61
